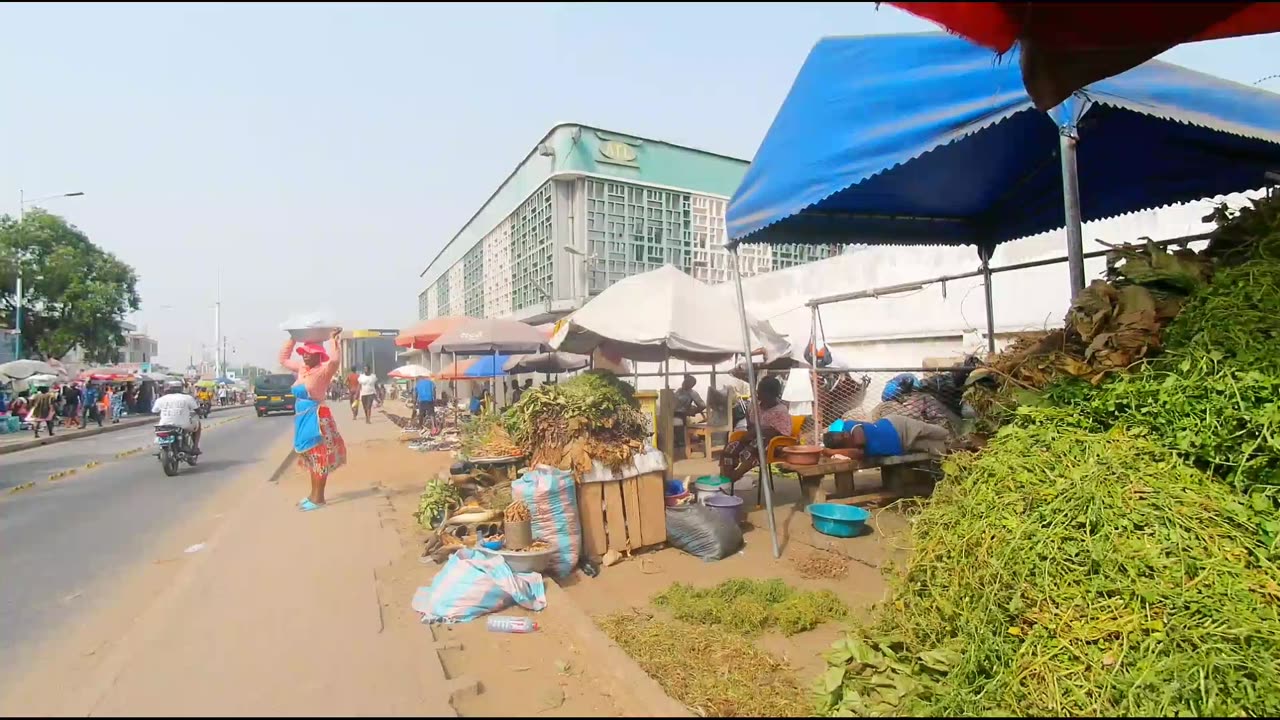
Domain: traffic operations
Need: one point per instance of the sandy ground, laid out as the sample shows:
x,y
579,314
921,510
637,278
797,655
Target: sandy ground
x,y
633,581
542,673
278,613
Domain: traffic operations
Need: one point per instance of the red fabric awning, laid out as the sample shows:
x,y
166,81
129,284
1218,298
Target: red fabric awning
x,y
1066,46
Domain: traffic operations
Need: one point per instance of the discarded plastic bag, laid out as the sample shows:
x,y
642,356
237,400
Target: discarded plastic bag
x,y
702,532
476,582
552,497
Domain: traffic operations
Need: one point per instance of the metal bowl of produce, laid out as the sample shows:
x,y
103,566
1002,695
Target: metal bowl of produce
x,y
312,334
528,560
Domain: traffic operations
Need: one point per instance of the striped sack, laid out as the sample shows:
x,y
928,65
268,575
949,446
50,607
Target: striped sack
x,y
474,583
552,497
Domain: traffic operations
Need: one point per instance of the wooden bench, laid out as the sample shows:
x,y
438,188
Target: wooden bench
x,y
894,469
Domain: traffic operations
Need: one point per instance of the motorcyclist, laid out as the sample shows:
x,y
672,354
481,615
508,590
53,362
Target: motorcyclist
x,y
178,409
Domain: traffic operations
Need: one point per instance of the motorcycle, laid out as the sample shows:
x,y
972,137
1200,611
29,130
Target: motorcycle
x,y
174,447
203,410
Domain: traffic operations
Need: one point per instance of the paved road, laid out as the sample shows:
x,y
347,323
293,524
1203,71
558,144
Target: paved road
x,y
57,538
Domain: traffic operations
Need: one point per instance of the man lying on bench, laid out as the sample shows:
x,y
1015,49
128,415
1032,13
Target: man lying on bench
x,y
890,435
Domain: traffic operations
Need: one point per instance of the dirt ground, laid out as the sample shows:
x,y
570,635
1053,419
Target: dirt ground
x,y
545,673
633,581
541,673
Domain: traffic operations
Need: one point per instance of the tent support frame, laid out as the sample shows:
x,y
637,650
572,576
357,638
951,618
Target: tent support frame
x,y
1068,139
766,481
984,254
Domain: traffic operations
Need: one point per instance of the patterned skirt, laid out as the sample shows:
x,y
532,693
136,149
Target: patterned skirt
x,y
331,453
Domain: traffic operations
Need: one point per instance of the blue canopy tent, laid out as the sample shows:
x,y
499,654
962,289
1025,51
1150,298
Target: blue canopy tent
x,y
925,140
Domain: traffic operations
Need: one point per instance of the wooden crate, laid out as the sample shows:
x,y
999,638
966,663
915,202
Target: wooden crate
x,y
622,515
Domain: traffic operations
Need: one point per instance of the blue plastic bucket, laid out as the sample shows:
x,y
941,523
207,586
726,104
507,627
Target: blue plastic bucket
x,y
837,520
727,505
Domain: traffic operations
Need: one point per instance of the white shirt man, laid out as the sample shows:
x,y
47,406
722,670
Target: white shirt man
x,y
178,410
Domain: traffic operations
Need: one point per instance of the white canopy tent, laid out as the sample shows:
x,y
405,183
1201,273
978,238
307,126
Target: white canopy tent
x,y
661,315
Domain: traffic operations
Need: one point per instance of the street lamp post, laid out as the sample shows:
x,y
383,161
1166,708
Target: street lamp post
x,y
17,298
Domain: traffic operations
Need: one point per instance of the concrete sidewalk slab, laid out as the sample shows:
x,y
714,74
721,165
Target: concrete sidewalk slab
x,y
278,614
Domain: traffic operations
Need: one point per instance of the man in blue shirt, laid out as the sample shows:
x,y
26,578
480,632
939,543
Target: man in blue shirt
x,y
426,394
89,405
890,435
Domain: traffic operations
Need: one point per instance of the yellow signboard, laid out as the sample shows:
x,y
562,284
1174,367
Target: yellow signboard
x,y
365,334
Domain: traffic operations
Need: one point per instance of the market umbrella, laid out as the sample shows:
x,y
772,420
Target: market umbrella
x,y
421,334
478,368
23,369
552,363
664,314
1066,46
490,335
107,374
410,371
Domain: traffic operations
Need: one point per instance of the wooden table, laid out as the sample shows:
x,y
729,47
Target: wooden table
x,y
892,469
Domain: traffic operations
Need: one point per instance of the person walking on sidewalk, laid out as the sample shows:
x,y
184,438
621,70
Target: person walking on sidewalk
x,y
353,392
368,391
316,440
41,411
89,405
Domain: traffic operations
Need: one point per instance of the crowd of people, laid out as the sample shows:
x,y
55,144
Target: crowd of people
x,y
75,404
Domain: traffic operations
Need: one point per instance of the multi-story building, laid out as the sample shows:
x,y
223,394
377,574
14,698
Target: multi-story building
x,y
586,208
374,348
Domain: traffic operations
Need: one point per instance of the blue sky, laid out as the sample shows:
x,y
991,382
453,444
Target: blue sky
x,y
319,155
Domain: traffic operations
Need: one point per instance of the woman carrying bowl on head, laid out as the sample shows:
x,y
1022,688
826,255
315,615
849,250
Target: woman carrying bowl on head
x,y
320,448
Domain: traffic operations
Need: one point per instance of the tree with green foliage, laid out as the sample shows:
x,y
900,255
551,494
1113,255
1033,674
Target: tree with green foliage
x,y
74,292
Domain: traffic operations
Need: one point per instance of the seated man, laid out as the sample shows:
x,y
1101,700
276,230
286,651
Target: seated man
x,y
178,409
890,435
688,403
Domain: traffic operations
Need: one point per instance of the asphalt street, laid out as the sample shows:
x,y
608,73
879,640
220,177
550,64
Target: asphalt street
x,y
57,538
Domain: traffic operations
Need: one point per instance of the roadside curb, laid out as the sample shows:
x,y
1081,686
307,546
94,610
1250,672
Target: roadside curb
x,y
65,436
282,467
625,679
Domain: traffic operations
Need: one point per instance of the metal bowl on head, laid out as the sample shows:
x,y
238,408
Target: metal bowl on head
x,y
312,334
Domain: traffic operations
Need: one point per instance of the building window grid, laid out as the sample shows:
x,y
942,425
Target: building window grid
x,y
632,229
473,280
532,248
497,270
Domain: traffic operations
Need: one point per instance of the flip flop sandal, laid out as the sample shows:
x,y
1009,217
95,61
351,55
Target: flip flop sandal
x,y
307,506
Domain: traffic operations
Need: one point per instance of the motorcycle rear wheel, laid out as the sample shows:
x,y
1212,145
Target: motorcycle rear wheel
x,y
169,462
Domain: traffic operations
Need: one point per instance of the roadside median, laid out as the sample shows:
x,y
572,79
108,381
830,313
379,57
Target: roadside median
x,y
66,435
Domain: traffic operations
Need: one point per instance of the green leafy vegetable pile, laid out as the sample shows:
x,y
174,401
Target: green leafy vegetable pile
x,y
752,606
592,417
1061,572
1112,551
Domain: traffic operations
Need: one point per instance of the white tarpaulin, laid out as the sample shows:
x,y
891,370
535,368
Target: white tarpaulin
x,y
664,314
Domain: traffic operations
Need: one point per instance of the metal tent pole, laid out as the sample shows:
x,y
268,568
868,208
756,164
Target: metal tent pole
x,y
1068,138
765,484
984,253
813,376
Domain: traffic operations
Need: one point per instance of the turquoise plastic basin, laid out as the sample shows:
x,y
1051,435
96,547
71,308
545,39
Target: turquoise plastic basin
x,y
843,521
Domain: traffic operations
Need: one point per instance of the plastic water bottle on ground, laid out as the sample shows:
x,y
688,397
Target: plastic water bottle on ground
x,y
501,623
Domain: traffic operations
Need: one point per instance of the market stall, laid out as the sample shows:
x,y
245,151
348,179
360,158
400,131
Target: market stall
x,y
1055,572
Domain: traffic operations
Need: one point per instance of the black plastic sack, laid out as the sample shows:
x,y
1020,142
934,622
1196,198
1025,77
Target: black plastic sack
x,y
703,532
